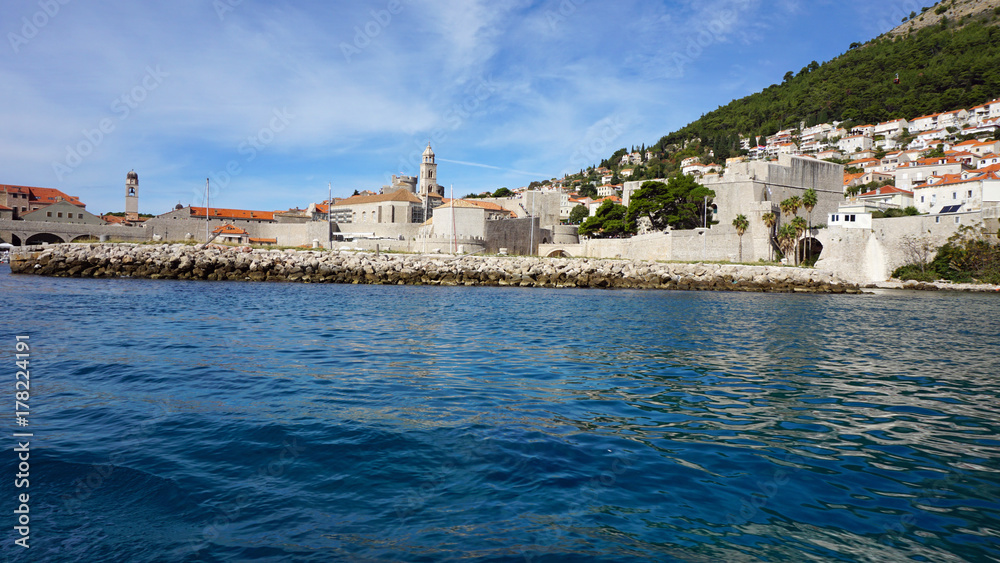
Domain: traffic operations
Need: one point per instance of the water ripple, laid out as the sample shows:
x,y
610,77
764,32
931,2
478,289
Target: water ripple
x,y
217,422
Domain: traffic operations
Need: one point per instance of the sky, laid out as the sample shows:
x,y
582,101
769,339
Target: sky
x,y
271,101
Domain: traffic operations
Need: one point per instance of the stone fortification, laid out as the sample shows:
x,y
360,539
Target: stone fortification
x,y
224,263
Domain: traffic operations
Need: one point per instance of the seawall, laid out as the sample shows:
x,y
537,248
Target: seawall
x,y
187,262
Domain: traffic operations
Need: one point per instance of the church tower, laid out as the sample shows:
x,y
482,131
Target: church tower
x,y
428,174
132,196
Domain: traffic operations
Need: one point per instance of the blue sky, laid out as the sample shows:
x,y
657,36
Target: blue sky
x,y
273,99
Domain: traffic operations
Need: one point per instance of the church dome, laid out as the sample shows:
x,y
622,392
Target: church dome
x,y
178,206
428,151
132,176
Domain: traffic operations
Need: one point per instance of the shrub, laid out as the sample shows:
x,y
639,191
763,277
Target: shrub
x,y
913,272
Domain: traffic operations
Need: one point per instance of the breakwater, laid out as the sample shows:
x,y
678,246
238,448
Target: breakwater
x,y
187,262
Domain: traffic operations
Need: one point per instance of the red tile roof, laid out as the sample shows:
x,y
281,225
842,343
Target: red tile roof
x,y
399,195
233,213
885,190
848,178
228,229
43,196
951,179
263,240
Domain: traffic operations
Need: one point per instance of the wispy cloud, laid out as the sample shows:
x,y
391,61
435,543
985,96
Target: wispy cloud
x,y
555,83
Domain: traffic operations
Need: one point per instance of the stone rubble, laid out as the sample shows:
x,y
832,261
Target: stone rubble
x,y
215,263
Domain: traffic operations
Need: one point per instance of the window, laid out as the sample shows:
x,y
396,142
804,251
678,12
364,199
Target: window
x,y
79,215
954,195
921,199
957,219
850,218
59,214
970,194
937,219
48,214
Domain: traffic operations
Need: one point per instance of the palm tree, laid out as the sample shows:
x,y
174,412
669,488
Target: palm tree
x,y
742,224
770,219
809,201
795,202
786,206
786,238
799,224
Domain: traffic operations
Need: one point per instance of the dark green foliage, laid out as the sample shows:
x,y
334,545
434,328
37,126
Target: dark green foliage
x,y
680,203
503,192
914,272
940,69
588,190
966,257
578,214
610,220
907,212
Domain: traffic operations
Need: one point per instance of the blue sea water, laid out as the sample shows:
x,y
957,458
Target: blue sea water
x,y
200,421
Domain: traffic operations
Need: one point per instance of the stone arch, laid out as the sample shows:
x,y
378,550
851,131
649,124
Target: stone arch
x,y
85,238
40,238
545,240
15,240
558,253
809,250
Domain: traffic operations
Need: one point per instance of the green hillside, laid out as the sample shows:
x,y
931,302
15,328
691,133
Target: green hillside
x,y
943,67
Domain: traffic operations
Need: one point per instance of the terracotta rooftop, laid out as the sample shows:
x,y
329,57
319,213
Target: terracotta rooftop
x,y
399,195
44,196
886,190
848,178
233,213
228,229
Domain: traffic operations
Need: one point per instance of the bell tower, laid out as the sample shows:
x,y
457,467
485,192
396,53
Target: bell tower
x,y
428,172
132,196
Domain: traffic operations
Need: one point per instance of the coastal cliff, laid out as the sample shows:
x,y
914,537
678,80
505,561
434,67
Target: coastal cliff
x,y
186,262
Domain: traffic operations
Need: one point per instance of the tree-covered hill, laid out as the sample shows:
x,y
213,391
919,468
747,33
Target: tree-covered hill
x,y
952,65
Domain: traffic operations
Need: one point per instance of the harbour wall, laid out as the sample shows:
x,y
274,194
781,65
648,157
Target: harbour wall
x,y
188,262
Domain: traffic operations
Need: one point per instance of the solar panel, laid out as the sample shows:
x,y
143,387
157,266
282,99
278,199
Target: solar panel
x,y
950,208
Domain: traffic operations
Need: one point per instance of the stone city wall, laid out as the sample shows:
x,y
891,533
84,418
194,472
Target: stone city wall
x,y
871,255
189,262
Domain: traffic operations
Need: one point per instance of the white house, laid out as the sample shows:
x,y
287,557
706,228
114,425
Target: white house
x,y
957,118
887,197
954,192
607,190
924,123
854,143
909,174
849,220
891,128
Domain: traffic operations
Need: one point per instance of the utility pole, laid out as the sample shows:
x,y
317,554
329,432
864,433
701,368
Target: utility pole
x,y
208,203
531,225
454,229
329,216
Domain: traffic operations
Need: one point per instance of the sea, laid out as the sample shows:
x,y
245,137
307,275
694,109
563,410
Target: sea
x,y
230,421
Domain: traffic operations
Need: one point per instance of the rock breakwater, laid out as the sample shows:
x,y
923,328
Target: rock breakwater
x,y
186,262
